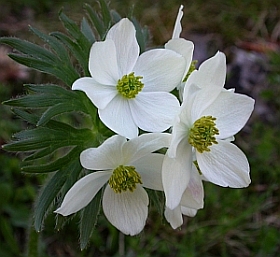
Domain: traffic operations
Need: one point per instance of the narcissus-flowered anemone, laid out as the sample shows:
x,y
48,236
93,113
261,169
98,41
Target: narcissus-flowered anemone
x,y
208,117
132,91
126,168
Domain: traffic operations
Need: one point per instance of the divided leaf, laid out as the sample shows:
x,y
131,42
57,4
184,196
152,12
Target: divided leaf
x,y
88,219
51,189
39,58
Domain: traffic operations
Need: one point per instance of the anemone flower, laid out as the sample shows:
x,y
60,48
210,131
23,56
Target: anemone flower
x,y
126,167
209,116
132,91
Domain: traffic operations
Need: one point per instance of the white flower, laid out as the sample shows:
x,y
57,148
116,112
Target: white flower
x,y
129,90
208,117
181,46
127,166
191,201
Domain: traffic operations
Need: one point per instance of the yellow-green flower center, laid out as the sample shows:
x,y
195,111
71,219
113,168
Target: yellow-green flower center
x,y
124,178
203,133
191,69
130,85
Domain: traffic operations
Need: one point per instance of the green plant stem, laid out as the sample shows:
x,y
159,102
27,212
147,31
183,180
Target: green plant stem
x,y
32,243
121,244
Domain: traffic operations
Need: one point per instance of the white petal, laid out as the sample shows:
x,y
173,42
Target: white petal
x,y
225,165
212,72
232,111
127,211
82,192
117,117
188,211
183,47
100,95
106,156
176,175
154,111
180,132
189,100
203,99
149,168
103,64
162,69
123,34
174,217
178,28
145,144
194,193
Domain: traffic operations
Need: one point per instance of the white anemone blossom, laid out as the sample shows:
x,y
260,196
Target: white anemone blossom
x,y
209,116
183,47
191,201
132,91
127,166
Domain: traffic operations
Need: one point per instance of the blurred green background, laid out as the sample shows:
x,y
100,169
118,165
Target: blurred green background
x,y
234,222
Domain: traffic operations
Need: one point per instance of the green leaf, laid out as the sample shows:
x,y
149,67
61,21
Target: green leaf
x,y
29,48
41,153
70,181
53,166
96,21
49,89
57,99
66,128
39,58
33,101
55,68
26,116
55,110
142,35
87,31
61,108
42,137
54,44
115,16
88,220
50,191
74,31
79,53
106,15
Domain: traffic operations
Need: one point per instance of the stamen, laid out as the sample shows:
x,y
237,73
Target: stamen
x,y
129,85
197,167
202,134
124,178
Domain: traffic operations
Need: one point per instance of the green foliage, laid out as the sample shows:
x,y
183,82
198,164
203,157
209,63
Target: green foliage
x,y
57,135
16,200
41,59
89,217
241,222
52,144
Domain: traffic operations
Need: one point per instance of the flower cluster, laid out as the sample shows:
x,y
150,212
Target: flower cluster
x,y
162,142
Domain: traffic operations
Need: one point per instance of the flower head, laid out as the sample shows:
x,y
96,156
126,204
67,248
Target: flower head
x,y
209,115
132,91
127,166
